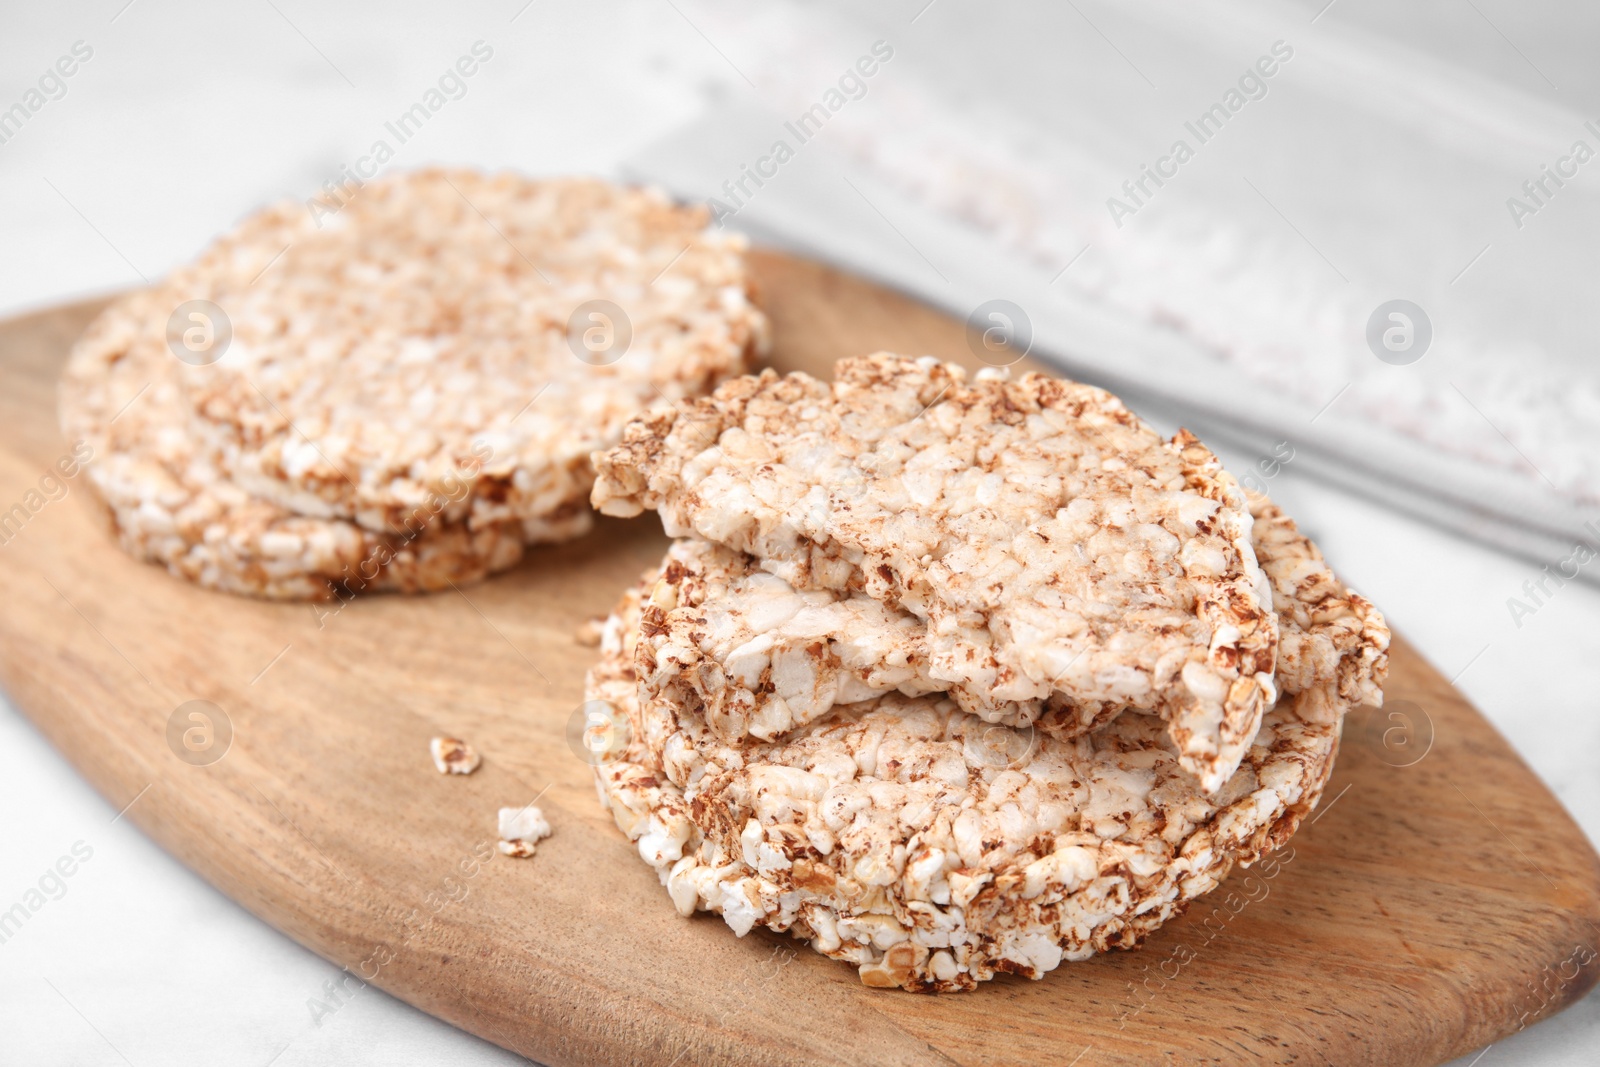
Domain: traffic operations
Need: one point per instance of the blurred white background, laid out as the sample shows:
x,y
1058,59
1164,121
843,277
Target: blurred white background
x,y
187,116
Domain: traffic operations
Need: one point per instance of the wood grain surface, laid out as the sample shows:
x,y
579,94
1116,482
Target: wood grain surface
x,y
1440,899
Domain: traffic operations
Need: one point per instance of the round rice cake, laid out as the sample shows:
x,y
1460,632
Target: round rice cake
x,y
757,658
1053,542
719,820
754,658
400,404
170,504
933,850
444,321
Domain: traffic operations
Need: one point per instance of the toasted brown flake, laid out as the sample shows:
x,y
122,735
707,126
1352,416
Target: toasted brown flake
x,y
453,756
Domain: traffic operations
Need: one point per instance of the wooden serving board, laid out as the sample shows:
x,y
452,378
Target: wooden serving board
x,y
1429,909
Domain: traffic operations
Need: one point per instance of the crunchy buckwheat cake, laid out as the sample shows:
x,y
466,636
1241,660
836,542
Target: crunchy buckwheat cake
x,y
429,325
169,504
933,850
1053,543
403,401
755,657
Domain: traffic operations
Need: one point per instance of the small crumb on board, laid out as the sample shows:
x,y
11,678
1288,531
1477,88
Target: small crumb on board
x,y
453,755
521,830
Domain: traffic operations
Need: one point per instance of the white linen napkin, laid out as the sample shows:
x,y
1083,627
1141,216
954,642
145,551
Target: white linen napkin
x,y
1237,291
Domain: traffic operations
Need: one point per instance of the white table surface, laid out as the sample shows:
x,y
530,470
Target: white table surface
x,y
185,118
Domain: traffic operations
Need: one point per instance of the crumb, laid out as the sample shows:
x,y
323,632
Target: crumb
x,y
589,631
521,830
453,756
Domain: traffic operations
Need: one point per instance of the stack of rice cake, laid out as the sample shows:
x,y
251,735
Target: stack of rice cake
x,y
392,396
955,677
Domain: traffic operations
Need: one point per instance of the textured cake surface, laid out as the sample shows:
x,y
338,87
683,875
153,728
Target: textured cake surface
x,y
1053,543
410,387
932,849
